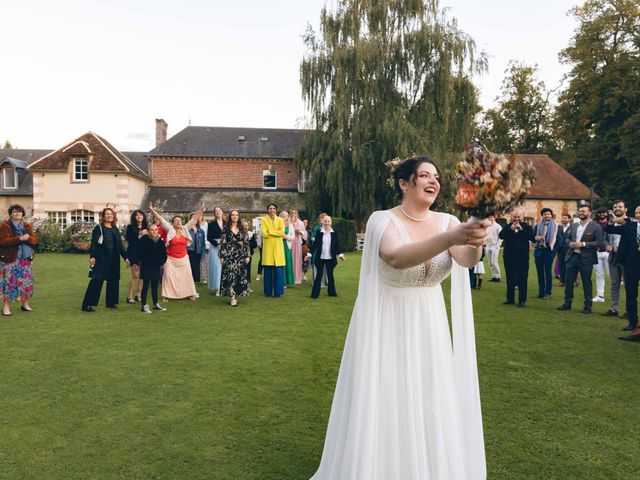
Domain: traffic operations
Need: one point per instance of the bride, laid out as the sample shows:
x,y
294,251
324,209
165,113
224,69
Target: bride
x,y
407,403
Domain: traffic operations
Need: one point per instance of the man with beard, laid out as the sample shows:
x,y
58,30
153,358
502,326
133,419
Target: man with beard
x,y
546,234
616,270
602,267
516,237
583,239
628,255
562,249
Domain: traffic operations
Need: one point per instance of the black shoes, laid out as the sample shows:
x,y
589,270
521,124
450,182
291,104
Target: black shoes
x,y
494,280
630,338
610,313
112,306
628,328
507,302
521,305
586,310
88,308
564,306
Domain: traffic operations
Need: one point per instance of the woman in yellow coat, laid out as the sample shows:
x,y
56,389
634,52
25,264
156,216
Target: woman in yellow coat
x,y
273,260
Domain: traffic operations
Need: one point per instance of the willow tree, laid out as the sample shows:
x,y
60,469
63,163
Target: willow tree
x,y
381,79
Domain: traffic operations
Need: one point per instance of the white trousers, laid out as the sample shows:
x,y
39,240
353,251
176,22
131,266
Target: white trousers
x,y
602,267
492,254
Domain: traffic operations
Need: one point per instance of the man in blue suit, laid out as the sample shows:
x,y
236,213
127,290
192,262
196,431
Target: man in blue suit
x,y
628,255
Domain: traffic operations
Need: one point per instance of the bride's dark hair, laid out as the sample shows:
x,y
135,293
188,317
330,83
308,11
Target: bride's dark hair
x,y
407,169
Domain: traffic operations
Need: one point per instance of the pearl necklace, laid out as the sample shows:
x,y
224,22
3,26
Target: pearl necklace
x,y
413,218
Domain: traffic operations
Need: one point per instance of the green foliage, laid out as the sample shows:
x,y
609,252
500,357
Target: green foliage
x,y
347,230
598,118
382,79
50,236
521,120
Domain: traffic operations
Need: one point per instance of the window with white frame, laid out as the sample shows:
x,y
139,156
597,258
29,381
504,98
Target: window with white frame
x,y
269,179
9,178
83,216
58,217
80,169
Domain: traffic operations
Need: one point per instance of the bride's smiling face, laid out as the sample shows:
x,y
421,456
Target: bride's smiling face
x,y
424,186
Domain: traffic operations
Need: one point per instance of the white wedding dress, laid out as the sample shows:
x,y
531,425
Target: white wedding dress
x,y
407,403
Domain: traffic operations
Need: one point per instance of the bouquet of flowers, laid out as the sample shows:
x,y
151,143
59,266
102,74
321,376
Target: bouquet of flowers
x,y
491,184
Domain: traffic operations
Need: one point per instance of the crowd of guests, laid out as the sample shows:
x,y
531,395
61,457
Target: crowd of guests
x,y
607,241
174,257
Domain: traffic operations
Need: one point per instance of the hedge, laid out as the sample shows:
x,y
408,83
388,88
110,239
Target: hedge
x,y
347,230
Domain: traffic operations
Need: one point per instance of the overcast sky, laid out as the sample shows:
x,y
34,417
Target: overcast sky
x,y
113,66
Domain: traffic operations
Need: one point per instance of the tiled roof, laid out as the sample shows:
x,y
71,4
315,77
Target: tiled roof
x,y
232,142
106,158
553,181
25,181
186,199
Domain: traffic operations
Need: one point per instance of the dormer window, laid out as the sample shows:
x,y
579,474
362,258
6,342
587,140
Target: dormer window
x,y
80,169
264,139
9,178
242,138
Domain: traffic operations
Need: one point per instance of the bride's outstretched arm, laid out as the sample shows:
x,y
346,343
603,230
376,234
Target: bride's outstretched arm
x,y
400,255
467,255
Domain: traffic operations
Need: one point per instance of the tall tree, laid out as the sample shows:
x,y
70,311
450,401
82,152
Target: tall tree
x,y
382,79
520,121
7,144
598,117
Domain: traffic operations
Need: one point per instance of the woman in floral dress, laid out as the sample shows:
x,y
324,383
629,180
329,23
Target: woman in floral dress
x,y
16,253
234,256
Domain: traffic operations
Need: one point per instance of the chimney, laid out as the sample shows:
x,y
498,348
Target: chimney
x,y
161,131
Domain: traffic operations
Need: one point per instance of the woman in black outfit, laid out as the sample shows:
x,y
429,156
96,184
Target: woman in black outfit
x,y
214,232
234,257
105,253
136,229
153,254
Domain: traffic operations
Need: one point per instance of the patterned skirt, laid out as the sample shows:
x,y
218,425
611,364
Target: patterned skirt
x,y
17,280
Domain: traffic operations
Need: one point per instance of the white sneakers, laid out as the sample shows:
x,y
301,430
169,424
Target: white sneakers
x,y
157,306
598,299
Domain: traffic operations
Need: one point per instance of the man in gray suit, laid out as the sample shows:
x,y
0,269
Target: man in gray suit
x,y
583,240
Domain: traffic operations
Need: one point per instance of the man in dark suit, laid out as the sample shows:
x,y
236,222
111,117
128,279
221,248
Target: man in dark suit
x,y
516,237
561,247
325,252
628,255
583,239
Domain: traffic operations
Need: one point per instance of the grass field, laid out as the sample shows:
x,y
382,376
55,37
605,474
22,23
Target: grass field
x,y
205,391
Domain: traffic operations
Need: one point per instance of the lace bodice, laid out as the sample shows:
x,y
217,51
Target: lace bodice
x,y
417,276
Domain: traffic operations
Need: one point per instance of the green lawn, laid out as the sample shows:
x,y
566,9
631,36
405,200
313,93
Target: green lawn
x,y
205,391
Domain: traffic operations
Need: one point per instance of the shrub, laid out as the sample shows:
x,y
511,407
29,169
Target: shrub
x,y
346,231
50,237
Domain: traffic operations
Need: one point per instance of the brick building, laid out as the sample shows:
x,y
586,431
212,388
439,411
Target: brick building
x,y
234,168
555,188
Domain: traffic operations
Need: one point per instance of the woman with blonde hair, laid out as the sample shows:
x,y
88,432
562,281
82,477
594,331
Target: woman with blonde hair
x,y
177,280
287,241
300,232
